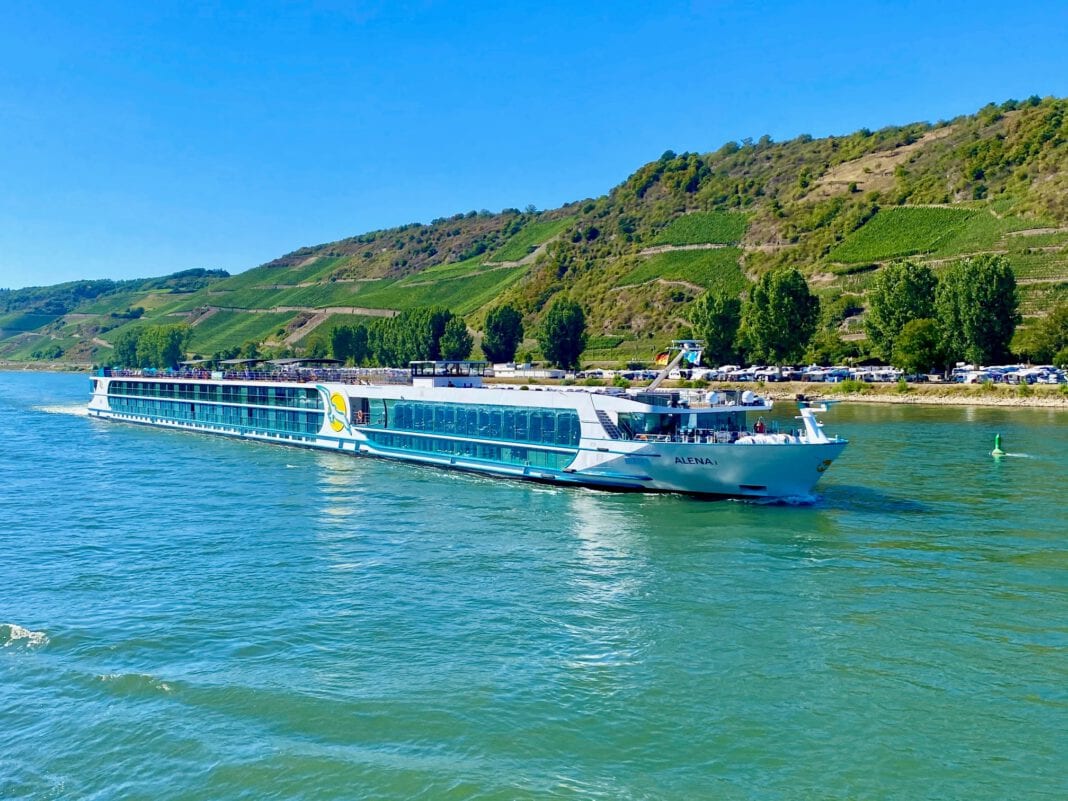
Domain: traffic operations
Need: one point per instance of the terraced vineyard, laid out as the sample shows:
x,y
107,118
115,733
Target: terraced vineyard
x,y
711,269
528,239
898,232
700,228
462,295
224,328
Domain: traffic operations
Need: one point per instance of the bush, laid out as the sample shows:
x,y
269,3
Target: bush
x,y
903,386
852,387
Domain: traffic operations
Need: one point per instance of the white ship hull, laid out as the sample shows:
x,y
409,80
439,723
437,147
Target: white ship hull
x,y
564,437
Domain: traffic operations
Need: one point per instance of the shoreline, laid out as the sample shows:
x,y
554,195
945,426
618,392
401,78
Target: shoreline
x,y
1044,400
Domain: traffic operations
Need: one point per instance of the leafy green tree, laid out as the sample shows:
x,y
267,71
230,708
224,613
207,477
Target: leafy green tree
x,y
901,292
341,342
350,343
456,341
563,333
780,317
162,346
827,347
716,317
1043,340
249,350
415,334
918,346
976,306
124,348
360,344
317,346
504,332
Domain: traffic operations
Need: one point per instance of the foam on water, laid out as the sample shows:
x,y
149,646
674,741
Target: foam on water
x,y
134,683
13,634
78,410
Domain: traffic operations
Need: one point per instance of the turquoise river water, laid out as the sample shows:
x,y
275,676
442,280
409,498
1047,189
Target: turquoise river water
x,y
190,617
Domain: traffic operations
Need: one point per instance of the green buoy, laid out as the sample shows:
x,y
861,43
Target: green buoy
x,y
997,447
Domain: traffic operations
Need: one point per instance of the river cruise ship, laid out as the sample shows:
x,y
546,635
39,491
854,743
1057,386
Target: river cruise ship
x,y
441,413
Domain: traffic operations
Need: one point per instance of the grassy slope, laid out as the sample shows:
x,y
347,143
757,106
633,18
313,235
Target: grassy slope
x,y
715,227
528,239
899,232
712,269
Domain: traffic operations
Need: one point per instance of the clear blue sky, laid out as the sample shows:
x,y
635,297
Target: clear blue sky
x,y
137,139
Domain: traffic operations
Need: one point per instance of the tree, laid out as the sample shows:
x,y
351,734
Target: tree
x,y
504,332
341,342
456,342
827,347
360,344
124,348
349,343
780,317
1041,341
162,346
716,317
918,346
901,292
976,305
563,333
317,347
250,350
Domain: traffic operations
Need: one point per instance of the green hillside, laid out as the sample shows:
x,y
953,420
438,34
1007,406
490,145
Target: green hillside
x,y
838,208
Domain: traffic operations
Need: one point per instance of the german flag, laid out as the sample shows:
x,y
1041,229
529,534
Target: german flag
x,y
662,359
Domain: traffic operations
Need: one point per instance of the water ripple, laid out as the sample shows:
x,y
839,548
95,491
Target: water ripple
x,y
198,618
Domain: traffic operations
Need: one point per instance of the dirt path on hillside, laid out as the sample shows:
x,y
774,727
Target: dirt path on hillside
x,y
508,265
1037,231
664,281
309,325
668,248
211,312
523,262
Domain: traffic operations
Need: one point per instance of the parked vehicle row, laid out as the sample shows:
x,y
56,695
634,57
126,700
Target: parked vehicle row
x,y
1008,374
961,374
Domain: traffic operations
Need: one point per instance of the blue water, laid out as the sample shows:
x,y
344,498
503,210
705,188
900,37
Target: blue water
x,y
190,617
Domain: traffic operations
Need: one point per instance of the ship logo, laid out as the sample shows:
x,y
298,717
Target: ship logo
x,y
337,410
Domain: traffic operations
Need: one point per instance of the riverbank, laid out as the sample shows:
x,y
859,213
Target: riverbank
x,y
1031,396
1004,395
45,367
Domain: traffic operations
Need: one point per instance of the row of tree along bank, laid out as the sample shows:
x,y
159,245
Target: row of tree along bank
x,y
413,335
916,321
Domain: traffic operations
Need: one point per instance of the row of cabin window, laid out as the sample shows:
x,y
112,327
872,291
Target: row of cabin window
x,y
527,457
521,424
292,397
232,416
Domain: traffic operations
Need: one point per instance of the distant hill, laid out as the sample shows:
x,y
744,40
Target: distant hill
x,y
838,208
